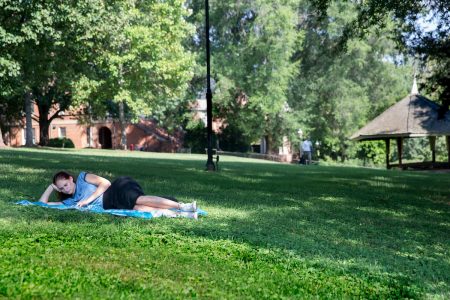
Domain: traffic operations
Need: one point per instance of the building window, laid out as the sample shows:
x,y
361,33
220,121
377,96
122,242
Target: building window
x,y
62,132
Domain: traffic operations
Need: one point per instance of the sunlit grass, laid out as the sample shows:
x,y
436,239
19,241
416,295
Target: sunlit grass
x,y
273,231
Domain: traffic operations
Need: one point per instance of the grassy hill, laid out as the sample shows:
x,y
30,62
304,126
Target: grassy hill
x,y
273,231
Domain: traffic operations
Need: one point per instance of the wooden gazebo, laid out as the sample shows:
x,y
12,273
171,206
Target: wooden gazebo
x,y
413,116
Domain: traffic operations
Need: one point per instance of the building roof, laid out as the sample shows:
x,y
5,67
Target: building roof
x,y
414,116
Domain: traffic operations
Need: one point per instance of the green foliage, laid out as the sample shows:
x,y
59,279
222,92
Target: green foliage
x,y
350,233
143,63
436,77
233,139
10,108
329,93
420,27
49,42
378,14
372,151
70,54
196,137
340,91
60,143
252,47
49,45
419,150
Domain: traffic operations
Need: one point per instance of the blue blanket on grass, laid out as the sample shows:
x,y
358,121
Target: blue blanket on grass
x,y
99,210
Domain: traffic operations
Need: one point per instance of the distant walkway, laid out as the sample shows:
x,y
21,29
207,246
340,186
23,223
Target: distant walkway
x,y
272,157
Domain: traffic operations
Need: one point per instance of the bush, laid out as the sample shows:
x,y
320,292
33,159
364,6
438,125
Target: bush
x,y
233,139
61,143
196,137
371,152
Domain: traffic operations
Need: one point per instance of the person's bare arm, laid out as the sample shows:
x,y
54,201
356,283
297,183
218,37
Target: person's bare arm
x,y
102,185
46,195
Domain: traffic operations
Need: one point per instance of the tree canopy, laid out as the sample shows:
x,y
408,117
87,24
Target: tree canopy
x,y
69,53
323,66
422,28
46,47
338,91
252,44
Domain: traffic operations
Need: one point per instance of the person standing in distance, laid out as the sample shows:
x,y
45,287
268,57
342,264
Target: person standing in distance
x,y
307,151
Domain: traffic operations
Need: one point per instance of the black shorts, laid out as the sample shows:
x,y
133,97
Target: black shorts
x,y
122,194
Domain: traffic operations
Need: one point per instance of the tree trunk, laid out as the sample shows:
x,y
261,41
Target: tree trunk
x,y
43,132
2,143
342,151
269,143
123,134
263,147
29,122
44,123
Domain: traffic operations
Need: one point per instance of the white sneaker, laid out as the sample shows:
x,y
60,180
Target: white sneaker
x,y
188,214
188,206
175,214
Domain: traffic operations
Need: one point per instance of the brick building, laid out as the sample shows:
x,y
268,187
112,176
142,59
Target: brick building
x,y
103,134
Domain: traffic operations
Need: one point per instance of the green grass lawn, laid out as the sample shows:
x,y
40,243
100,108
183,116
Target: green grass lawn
x,y
274,231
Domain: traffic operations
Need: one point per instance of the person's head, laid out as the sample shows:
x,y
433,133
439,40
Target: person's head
x,y
65,183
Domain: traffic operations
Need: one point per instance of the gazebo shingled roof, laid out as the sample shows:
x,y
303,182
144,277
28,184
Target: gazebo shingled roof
x,y
413,116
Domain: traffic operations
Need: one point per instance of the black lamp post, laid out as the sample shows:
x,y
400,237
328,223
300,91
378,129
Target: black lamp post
x,y
209,164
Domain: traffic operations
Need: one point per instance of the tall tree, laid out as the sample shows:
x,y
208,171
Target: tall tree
x,y
2,143
339,91
47,47
252,45
2,108
144,67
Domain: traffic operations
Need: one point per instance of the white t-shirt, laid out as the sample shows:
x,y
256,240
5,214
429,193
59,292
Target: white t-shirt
x,y
307,146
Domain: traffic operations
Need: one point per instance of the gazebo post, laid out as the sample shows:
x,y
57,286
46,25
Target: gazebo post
x,y
447,140
400,150
388,142
432,140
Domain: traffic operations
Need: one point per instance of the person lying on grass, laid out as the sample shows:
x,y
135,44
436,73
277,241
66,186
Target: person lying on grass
x,y
124,193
